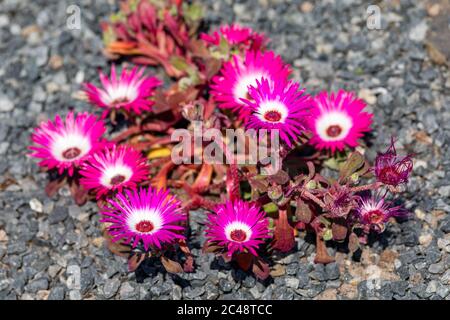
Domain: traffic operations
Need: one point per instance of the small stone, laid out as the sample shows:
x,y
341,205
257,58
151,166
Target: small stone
x,y
58,215
367,95
444,244
399,287
267,294
57,293
348,290
36,285
42,294
255,293
177,292
319,273
436,268
328,294
192,293
278,270
446,277
41,55
55,62
36,205
418,32
212,292
75,295
127,291
306,7
444,191
332,271
425,239
249,282
434,10
442,291
3,236
110,288
432,287
53,270
74,211
292,282
225,285
420,214
6,104
98,242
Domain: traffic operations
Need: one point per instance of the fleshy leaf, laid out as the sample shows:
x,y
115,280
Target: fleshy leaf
x,y
354,162
303,211
171,266
244,260
134,261
281,177
260,269
284,239
339,229
353,242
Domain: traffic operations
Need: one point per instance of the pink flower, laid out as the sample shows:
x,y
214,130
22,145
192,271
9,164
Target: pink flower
x,y
151,217
278,106
392,169
130,92
337,120
236,76
238,226
65,144
114,169
374,212
235,34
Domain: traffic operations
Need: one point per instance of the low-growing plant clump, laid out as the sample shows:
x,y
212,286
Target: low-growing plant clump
x,y
218,82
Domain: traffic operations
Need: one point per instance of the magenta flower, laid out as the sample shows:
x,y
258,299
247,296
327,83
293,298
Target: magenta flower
x,y
65,144
278,106
151,217
392,169
114,169
236,76
374,212
130,92
235,34
238,226
337,120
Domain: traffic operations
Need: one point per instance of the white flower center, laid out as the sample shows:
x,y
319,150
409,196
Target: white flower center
x,y
333,126
238,231
144,221
272,111
115,174
119,94
69,147
241,88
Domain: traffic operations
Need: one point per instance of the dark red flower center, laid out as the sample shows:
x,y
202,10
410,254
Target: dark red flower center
x,y
71,153
334,131
238,235
389,175
376,216
272,116
144,226
118,179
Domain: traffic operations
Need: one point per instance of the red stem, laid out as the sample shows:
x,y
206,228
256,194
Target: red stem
x,y
371,186
312,197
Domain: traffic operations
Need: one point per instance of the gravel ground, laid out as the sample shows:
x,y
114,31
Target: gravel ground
x,y
52,249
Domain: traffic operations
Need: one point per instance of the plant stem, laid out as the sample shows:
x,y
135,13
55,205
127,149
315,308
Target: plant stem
x,y
371,186
312,197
